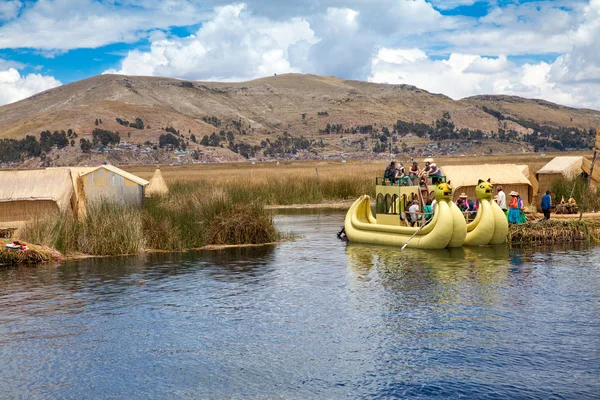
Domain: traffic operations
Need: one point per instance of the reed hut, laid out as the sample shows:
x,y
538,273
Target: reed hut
x,y
27,194
157,186
105,182
108,182
532,179
464,178
565,168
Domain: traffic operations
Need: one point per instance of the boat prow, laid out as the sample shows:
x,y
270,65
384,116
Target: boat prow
x,y
361,226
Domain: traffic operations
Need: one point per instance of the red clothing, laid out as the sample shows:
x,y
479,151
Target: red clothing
x,y
516,202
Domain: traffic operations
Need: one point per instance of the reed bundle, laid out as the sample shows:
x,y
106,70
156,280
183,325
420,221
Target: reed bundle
x,y
35,254
554,232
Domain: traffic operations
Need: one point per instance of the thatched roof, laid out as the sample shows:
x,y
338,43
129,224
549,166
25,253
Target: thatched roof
x,y
157,185
120,172
568,167
586,166
54,185
532,179
469,175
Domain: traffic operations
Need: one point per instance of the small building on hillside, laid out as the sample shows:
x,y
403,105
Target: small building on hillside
x,y
560,168
464,178
27,194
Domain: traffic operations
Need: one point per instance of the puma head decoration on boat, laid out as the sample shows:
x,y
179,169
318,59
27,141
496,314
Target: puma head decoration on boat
x,y
484,190
443,191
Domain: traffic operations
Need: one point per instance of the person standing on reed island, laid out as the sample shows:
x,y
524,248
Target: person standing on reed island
x,y
515,209
501,198
546,205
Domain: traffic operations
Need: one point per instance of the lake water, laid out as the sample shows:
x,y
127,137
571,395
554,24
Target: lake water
x,y
309,319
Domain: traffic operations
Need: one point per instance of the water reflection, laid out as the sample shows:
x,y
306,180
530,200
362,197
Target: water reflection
x,y
310,318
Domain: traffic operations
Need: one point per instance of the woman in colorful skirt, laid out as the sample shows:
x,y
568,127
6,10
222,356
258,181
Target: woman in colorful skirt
x,y
515,208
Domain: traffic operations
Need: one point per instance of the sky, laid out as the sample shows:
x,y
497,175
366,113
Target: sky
x,y
537,49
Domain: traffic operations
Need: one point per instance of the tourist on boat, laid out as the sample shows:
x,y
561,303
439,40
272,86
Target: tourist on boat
x,y
413,210
401,168
501,198
392,173
473,208
462,205
428,162
546,205
515,209
463,198
434,170
414,172
428,210
414,169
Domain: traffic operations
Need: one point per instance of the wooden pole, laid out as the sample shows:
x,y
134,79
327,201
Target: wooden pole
x,y
587,186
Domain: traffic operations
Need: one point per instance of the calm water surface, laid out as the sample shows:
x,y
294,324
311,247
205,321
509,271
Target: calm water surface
x,y
313,318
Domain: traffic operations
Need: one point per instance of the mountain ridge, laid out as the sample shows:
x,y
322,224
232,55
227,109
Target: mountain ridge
x,y
265,108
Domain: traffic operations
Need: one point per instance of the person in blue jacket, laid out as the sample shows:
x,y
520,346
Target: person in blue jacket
x,y
546,204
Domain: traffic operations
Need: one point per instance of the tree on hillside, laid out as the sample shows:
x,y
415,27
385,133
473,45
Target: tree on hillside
x,y
85,145
168,140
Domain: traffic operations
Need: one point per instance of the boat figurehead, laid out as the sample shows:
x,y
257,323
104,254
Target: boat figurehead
x,y
443,191
484,190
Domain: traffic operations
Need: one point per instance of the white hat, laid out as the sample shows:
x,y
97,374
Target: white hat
x,y
432,164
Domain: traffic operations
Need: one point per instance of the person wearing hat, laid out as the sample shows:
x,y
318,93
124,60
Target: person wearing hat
x,y
463,202
546,205
501,198
515,208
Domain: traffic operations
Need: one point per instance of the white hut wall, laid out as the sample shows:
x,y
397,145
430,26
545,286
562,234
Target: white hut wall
x,y
104,184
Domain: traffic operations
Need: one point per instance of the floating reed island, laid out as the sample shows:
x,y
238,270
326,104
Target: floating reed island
x,y
31,254
189,216
554,232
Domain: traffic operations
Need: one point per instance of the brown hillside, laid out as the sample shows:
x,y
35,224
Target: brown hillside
x,y
541,111
265,106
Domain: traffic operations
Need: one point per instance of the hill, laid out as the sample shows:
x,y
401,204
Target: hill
x,y
269,116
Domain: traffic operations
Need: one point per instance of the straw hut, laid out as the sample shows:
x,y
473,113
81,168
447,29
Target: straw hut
x,y
108,182
105,182
157,186
26,194
464,178
565,168
532,179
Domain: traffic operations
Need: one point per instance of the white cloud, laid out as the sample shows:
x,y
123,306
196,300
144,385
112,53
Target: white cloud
x,y
9,9
463,75
450,4
14,86
70,24
233,45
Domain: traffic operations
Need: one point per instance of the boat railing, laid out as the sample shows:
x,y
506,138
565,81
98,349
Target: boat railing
x,y
408,180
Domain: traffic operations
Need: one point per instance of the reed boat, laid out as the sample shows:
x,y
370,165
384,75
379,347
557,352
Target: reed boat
x,y
447,227
490,226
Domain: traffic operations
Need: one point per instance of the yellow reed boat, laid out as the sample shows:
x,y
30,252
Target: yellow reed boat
x,y
490,226
447,227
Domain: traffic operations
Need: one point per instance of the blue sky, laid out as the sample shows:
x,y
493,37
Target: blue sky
x,y
542,49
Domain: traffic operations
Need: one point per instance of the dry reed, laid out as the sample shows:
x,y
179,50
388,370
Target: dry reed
x,y
554,232
35,254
